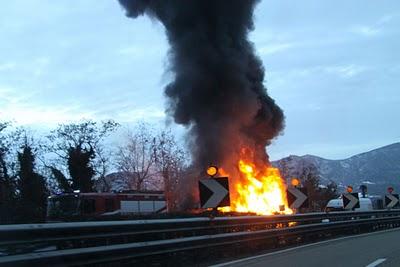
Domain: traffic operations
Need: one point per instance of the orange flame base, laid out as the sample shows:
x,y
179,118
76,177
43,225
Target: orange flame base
x,y
261,191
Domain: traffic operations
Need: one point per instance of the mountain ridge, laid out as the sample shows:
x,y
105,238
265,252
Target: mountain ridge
x,y
379,167
359,154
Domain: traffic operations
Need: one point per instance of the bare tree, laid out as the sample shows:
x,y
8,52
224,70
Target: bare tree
x,y
153,159
170,163
136,158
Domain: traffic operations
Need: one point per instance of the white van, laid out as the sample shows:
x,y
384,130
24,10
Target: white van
x,y
337,204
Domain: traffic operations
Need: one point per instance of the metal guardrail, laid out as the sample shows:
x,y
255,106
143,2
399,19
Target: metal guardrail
x,y
98,242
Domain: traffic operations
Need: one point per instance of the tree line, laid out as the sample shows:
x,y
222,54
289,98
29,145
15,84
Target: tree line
x,y
75,156
79,156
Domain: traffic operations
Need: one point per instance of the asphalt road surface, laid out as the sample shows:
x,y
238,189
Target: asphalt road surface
x,y
372,249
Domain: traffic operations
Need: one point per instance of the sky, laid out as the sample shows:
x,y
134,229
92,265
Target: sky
x,y
333,66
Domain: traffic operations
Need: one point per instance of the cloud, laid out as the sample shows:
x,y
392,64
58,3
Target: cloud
x,y
385,19
31,114
345,71
374,29
141,52
40,66
25,115
25,109
367,31
9,96
7,66
273,48
148,113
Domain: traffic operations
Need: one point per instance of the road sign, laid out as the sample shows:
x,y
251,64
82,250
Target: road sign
x,y
214,192
297,197
351,201
391,201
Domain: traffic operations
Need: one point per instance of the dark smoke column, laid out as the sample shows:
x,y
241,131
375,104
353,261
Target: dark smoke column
x,y
217,90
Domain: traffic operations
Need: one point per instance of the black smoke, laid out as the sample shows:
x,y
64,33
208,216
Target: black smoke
x,y
217,90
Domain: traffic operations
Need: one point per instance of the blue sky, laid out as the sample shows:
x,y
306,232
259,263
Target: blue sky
x,y
333,67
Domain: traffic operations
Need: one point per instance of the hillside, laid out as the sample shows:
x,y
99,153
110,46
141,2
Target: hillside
x,y
377,168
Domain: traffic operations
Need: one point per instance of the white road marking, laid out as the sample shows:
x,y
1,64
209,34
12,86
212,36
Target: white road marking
x,y
299,247
375,263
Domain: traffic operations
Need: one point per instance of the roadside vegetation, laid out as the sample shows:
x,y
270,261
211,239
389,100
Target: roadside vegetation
x,y
80,156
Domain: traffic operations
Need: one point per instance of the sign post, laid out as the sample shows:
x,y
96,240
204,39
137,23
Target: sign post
x,y
391,200
296,196
350,201
214,191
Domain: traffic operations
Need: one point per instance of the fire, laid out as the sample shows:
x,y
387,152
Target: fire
x,y
261,191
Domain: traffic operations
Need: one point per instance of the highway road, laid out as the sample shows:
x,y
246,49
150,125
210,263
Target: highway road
x,y
366,250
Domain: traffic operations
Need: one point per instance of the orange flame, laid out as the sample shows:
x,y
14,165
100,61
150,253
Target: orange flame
x,y
262,191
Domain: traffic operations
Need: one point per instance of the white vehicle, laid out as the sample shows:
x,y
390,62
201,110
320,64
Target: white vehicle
x,y
337,204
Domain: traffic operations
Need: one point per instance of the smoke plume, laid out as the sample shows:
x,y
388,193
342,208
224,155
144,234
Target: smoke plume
x,y
217,90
